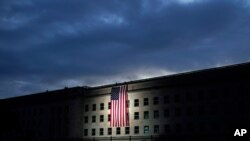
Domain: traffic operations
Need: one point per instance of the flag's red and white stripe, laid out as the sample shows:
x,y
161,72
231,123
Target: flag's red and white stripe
x,y
119,109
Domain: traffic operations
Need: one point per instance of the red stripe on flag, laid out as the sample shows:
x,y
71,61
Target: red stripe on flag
x,y
119,109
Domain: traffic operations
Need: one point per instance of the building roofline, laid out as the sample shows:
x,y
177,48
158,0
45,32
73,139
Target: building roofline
x,y
52,94
207,70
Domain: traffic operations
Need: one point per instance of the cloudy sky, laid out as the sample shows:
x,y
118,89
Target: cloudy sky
x,y
51,44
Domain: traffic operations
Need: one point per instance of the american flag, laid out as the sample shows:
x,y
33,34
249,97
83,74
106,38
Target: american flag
x,y
119,110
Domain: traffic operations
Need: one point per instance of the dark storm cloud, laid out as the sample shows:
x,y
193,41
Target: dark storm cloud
x,y
51,44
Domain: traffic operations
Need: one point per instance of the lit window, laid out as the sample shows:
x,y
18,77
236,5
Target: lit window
x,y
145,101
127,130
93,132
94,107
118,131
102,106
109,131
136,102
93,118
156,129
101,118
146,115
146,129
101,131
156,101
136,115
136,131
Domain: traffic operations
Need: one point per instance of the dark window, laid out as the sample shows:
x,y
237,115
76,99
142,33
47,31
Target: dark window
x,y
127,130
178,128
136,102
166,99
118,131
202,127
93,132
34,112
156,129
146,129
101,118
201,95
156,101
146,115
136,131
189,111
201,110
189,96
86,108
212,94
156,114
177,98
85,132
145,101
109,131
177,112
60,110
102,106
213,109
167,128
86,119
166,113
66,109
128,103
109,105
136,115
101,131
190,127
94,107
93,118
108,117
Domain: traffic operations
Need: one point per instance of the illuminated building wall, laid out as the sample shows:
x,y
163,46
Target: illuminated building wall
x,y
146,113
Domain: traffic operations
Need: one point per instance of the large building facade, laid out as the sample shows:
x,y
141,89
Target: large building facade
x,y
203,105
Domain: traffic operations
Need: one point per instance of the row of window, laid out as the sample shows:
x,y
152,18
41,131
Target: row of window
x,y
167,128
127,130
155,101
136,116
136,104
166,113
